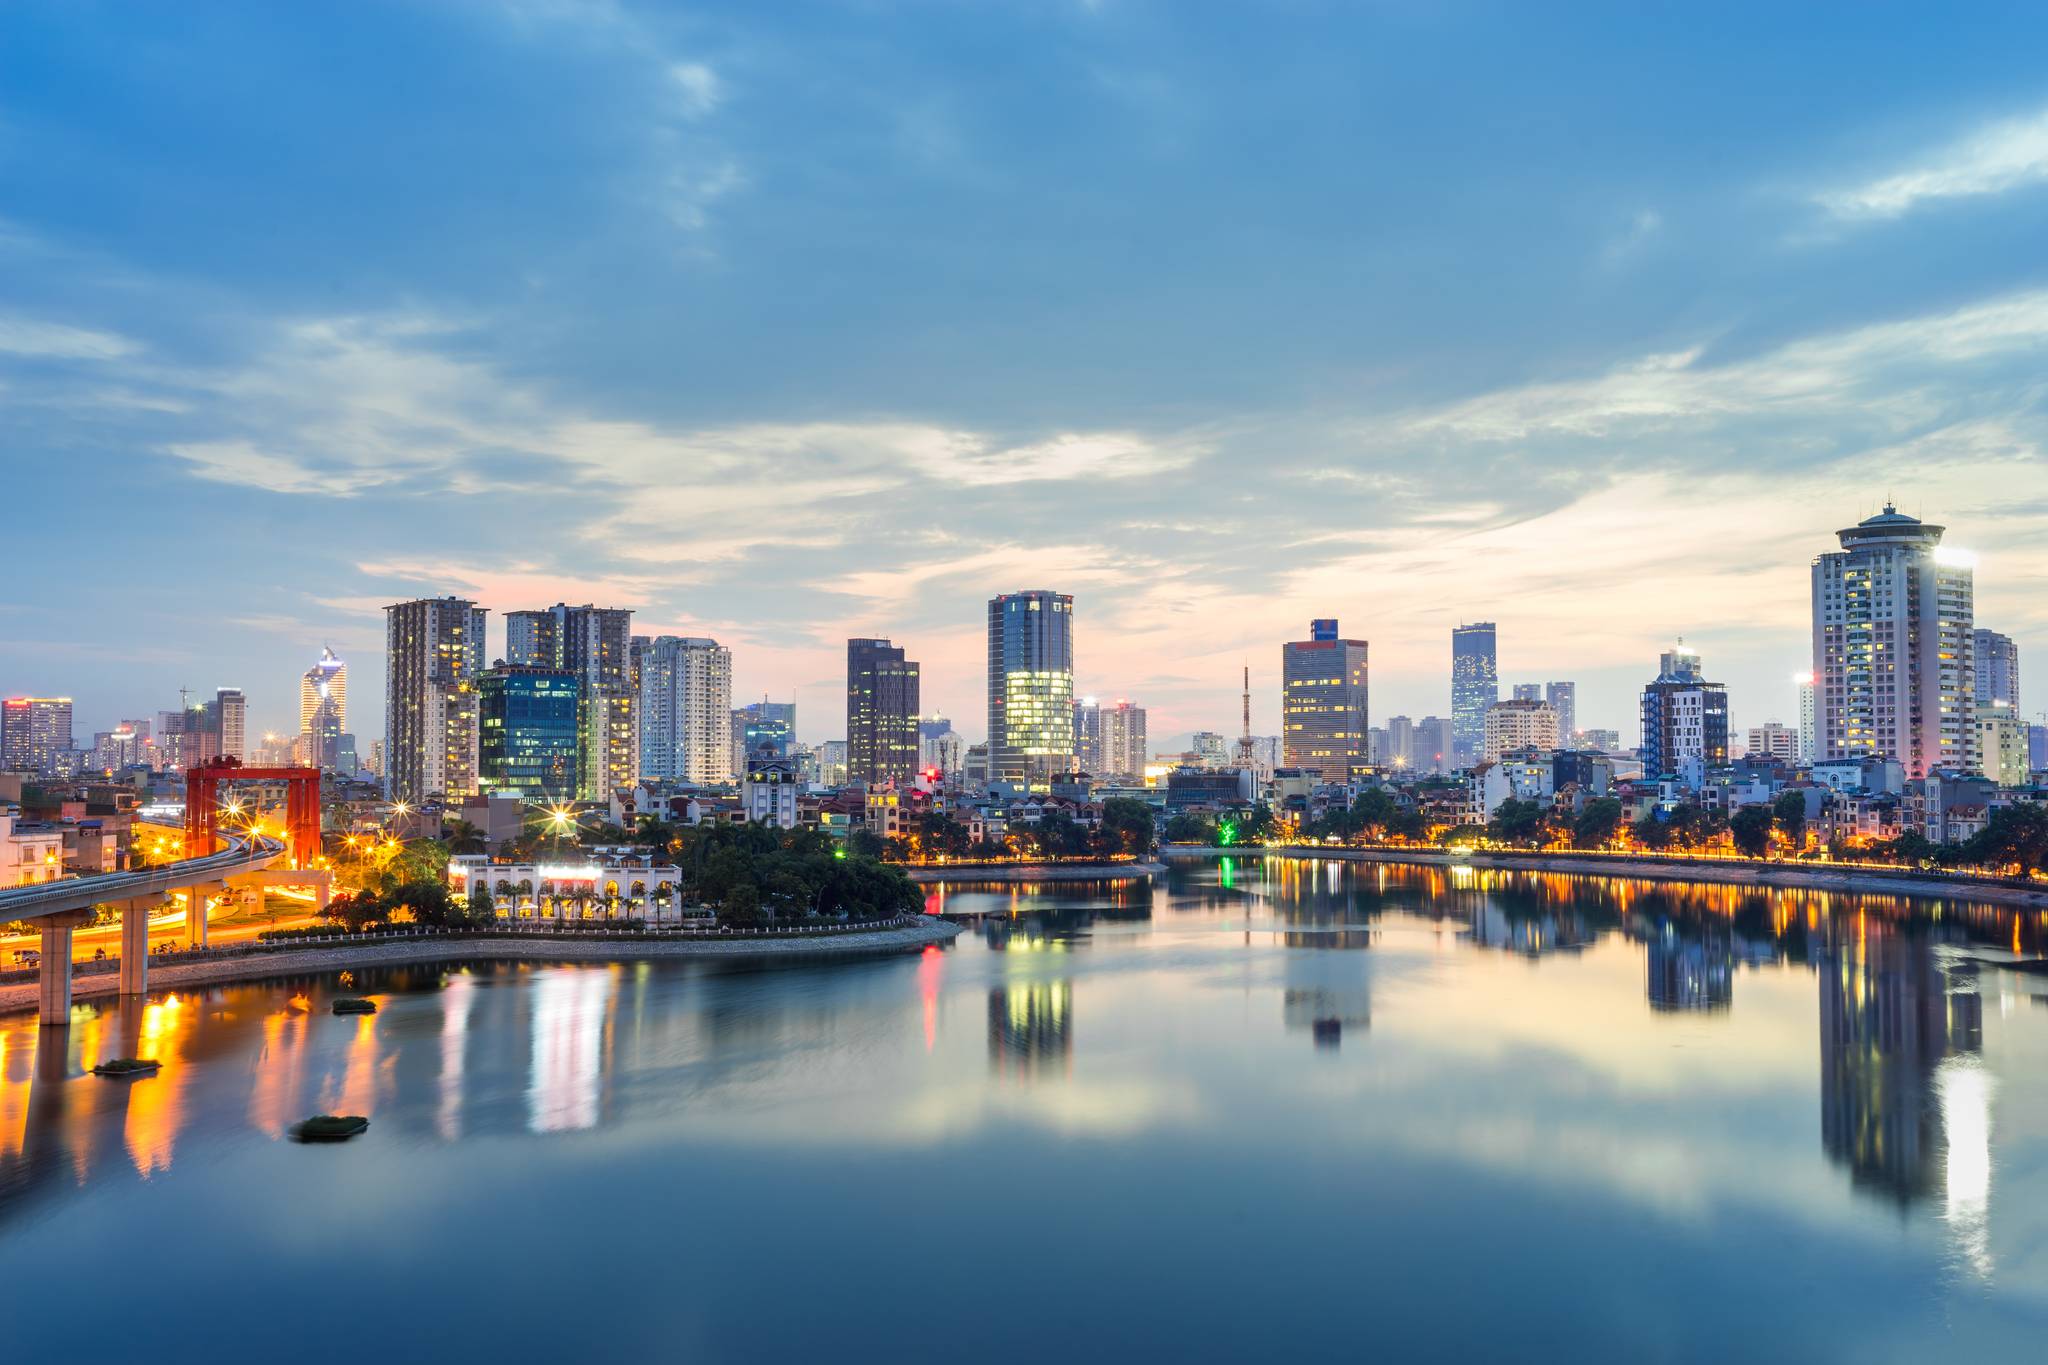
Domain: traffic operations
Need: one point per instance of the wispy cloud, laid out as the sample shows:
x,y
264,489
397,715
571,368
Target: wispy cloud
x,y
2003,156
58,341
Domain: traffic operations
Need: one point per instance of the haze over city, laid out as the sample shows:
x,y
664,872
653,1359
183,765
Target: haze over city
x,y
788,324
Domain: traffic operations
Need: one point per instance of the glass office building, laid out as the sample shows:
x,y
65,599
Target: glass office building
x,y
529,733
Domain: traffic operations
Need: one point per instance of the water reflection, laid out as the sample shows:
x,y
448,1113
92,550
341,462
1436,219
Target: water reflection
x,y
1031,1029
1689,973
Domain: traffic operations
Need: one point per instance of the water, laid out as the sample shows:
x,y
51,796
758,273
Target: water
x,y
1254,1111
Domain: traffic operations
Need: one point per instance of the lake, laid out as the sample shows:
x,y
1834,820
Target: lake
x,y
1253,1110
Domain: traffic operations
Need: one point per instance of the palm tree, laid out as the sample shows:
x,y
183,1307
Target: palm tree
x,y
463,837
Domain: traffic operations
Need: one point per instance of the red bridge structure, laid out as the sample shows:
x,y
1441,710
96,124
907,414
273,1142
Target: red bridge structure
x,y
302,806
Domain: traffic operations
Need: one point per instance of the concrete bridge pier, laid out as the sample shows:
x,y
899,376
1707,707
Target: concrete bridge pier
x,y
195,912
53,994
135,944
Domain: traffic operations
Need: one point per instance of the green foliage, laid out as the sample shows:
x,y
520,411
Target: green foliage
x,y
864,843
2014,838
755,872
1127,828
1751,829
1596,823
1462,834
1789,811
1518,822
1190,828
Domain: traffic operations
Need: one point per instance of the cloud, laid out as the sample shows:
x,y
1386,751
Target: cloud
x,y
2003,156
698,86
56,341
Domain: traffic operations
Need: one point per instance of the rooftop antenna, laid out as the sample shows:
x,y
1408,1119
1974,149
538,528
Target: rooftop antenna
x,y
1244,739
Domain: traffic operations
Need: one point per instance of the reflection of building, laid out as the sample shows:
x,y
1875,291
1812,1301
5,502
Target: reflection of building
x,y
1030,1027
1689,974
1529,935
1889,1014
1325,1014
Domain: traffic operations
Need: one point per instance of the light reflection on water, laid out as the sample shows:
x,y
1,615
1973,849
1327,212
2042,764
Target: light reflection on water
x,y
1349,1084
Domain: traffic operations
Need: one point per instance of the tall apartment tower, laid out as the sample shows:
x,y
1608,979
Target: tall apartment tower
x,y
323,710
1997,661
882,701
1527,692
1088,736
1809,717
1893,639
596,645
1564,699
1122,742
1030,687
1475,686
433,652
1685,720
229,714
686,710
1323,711
34,731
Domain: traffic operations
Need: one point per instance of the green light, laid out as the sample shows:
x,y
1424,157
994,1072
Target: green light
x,y
1226,833
839,853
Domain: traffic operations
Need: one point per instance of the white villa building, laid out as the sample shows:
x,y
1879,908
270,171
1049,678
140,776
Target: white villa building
x,y
603,884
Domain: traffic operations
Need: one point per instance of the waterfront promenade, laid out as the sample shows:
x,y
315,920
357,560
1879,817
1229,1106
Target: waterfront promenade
x,y
1720,871
907,934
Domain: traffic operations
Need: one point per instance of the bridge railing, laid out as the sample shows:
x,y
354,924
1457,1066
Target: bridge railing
x,y
75,893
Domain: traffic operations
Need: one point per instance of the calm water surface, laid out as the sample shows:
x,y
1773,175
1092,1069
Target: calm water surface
x,y
1251,1112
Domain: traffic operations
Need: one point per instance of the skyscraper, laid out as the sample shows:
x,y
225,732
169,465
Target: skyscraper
x,y
595,644
1123,740
882,701
1527,692
1323,707
433,651
1088,735
228,717
1685,720
323,710
1893,623
1030,686
1475,685
759,723
530,732
686,710
1434,746
34,731
1997,662
1809,717
1519,723
1564,699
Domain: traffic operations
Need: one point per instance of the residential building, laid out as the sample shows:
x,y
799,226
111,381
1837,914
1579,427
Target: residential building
x,y
530,733
323,710
1774,740
1475,685
433,650
1809,717
2002,745
1522,723
1122,742
1435,746
1564,699
596,645
1527,692
1605,741
228,718
1685,721
882,702
1211,749
29,853
1996,660
769,787
34,733
1030,687
686,710
762,722
1088,735
1893,635
1323,703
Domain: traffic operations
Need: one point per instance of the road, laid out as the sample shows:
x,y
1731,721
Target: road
x,y
224,924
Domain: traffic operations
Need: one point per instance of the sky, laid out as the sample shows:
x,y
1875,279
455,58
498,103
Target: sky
x,y
787,323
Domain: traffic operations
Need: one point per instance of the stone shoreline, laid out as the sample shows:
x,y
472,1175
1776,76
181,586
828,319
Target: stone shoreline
x,y
484,947
1813,878
1034,872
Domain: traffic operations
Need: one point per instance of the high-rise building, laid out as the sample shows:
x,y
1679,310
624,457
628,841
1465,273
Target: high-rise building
x,y
2037,748
1323,705
762,723
433,651
882,700
323,709
1475,685
34,733
1773,740
530,732
1564,699
1809,716
2002,745
1400,751
1685,720
1519,723
1088,735
595,644
686,710
1893,627
228,718
1030,687
1123,740
1211,749
1997,662
1528,692
1435,746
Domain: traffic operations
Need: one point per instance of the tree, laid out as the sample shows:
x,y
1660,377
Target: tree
x,y
864,843
1127,827
1517,822
1789,810
1596,823
1189,828
1461,834
1650,832
1751,828
463,837
2015,838
482,908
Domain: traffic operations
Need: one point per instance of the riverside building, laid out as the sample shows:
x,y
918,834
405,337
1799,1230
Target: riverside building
x,y
1030,687
1323,703
433,650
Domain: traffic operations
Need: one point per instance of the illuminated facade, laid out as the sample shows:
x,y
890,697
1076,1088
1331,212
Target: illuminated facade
x,y
1685,721
1519,724
434,650
529,733
1030,687
1121,742
1475,685
1893,647
595,644
34,731
1809,716
882,700
323,710
1323,707
686,710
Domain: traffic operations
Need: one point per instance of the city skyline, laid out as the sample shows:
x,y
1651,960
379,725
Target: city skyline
x,y
1597,407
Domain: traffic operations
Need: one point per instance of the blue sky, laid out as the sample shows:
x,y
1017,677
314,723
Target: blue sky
x,y
787,322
